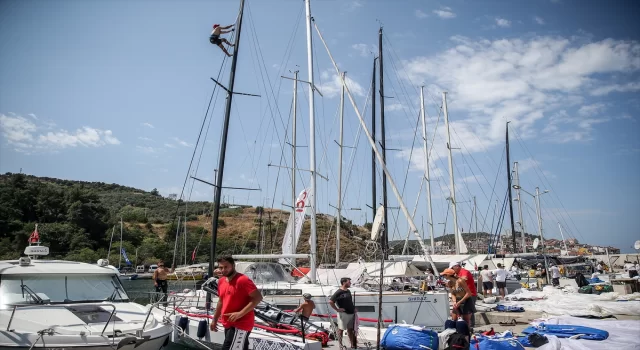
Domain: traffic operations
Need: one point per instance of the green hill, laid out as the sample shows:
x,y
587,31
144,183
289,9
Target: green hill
x,y
76,220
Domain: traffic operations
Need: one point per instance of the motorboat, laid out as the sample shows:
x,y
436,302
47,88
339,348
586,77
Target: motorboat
x,y
57,304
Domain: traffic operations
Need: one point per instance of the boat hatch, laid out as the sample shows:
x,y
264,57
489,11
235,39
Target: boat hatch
x,y
92,313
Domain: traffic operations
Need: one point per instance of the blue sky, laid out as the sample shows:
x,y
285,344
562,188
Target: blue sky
x,y
115,91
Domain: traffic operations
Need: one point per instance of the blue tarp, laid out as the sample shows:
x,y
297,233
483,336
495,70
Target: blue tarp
x,y
408,337
568,331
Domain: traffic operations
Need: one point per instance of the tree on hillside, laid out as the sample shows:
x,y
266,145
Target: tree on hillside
x,y
154,192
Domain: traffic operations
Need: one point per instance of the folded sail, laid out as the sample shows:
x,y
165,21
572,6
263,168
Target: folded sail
x,y
294,226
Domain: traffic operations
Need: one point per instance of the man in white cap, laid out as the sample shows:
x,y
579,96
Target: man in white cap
x,y
468,277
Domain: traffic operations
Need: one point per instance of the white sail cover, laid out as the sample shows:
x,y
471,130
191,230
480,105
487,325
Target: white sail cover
x,y
294,227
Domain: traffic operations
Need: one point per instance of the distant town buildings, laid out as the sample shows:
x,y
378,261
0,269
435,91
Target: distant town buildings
x,y
504,244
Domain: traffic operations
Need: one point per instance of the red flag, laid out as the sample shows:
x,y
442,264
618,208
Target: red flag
x,y
35,237
193,255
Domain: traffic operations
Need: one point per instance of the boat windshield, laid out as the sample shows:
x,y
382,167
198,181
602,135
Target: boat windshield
x,y
261,273
60,288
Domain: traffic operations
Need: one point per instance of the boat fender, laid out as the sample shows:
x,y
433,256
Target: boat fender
x,y
183,323
202,329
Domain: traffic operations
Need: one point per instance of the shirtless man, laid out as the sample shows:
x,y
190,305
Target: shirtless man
x,y
215,38
160,280
306,308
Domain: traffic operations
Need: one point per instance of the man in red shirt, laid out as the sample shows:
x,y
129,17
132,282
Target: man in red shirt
x,y
237,296
468,277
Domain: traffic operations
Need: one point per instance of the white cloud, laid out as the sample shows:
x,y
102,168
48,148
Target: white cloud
x,y
169,145
181,142
332,84
526,81
391,107
352,5
28,137
592,109
445,12
32,116
148,125
539,20
607,89
539,84
144,138
147,149
501,22
363,49
527,164
420,14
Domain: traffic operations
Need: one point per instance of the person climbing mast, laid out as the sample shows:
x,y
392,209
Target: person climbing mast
x,y
217,40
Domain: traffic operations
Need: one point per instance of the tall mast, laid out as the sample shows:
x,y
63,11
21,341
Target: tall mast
x,y
513,226
373,135
223,149
312,143
383,165
563,241
517,178
185,237
294,242
451,179
426,171
340,172
385,234
475,214
120,260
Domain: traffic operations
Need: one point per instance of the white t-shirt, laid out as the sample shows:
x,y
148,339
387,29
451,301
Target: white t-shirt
x,y
501,275
555,272
487,276
216,31
599,267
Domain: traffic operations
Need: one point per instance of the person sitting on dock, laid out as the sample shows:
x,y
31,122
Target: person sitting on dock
x,y
215,38
342,302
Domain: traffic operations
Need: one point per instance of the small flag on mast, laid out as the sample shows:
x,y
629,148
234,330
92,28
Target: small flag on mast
x,y
35,237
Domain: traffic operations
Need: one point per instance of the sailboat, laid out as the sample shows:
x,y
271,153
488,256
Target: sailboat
x,y
276,285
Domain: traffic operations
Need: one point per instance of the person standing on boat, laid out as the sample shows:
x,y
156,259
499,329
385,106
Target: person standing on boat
x,y
468,277
342,302
305,309
215,38
237,297
160,280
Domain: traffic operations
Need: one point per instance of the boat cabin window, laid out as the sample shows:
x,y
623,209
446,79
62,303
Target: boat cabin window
x,y
60,288
267,273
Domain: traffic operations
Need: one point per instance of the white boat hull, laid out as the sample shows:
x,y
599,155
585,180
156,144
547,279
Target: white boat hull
x,y
428,310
